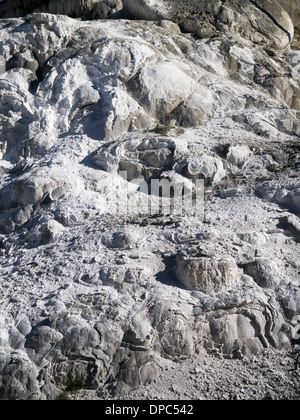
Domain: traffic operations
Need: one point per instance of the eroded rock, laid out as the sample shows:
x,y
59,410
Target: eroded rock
x,y
265,272
207,274
90,294
94,9
260,21
140,159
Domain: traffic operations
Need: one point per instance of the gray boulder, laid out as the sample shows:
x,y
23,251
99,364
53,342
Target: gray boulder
x,y
265,272
19,378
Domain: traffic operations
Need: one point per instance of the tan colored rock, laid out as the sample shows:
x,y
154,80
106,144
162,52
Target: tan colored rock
x,y
293,9
238,332
207,274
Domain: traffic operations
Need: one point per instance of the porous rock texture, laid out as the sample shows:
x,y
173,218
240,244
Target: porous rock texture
x,y
91,291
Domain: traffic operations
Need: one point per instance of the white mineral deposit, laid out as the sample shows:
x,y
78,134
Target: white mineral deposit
x,y
98,289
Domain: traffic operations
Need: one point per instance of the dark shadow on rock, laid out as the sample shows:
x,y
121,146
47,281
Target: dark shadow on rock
x,y
168,276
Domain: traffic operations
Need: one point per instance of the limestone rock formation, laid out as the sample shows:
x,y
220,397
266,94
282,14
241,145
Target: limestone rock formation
x,y
97,287
207,274
91,9
263,21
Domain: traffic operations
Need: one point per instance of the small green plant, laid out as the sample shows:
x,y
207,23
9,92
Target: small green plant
x,y
162,129
163,124
75,385
64,396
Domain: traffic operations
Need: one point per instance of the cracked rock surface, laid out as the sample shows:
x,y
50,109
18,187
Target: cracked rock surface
x,y
95,288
